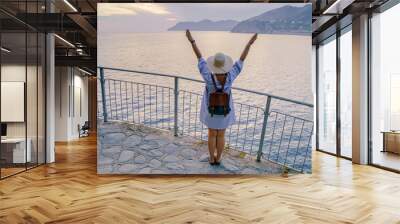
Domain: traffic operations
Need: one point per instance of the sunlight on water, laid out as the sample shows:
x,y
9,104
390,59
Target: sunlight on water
x,y
276,64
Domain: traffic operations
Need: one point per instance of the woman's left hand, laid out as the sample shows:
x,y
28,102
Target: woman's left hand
x,y
189,36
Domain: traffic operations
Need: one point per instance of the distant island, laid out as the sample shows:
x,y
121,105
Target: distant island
x,y
205,25
283,20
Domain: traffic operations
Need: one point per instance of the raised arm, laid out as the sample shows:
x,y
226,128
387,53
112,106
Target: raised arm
x,y
193,42
247,48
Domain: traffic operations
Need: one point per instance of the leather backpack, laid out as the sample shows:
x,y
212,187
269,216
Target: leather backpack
x,y
219,100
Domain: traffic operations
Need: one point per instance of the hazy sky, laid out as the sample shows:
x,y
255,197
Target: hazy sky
x,y
153,17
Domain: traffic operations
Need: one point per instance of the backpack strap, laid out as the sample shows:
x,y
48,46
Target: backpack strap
x,y
215,84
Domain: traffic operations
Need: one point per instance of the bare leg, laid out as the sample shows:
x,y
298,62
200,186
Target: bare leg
x,y
220,144
212,139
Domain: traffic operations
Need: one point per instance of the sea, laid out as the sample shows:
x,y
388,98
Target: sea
x,y
276,64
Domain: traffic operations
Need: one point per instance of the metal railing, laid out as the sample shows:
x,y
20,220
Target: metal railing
x,y
266,133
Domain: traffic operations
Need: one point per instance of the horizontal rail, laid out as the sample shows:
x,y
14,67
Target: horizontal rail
x,y
275,111
200,81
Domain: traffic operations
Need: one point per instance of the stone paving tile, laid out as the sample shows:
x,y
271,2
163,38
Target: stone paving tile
x,y
127,148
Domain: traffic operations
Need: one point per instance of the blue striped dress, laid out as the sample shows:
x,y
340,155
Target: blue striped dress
x,y
217,121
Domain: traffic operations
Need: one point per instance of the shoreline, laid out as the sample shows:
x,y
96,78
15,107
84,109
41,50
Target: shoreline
x,y
178,31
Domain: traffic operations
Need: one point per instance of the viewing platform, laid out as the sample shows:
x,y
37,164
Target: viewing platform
x,y
264,139
136,149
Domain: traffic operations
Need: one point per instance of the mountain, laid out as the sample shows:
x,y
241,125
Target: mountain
x,y
205,25
284,20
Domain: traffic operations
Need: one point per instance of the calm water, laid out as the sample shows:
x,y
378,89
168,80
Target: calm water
x,y
276,64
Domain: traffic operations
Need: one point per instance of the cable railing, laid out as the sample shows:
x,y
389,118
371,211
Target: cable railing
x,y
268,132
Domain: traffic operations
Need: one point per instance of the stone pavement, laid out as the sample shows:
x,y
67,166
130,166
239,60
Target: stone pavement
x,y
126,148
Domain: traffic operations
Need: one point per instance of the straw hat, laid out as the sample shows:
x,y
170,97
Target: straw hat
x,y
220,63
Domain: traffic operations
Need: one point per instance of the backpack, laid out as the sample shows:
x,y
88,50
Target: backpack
x,y
219,100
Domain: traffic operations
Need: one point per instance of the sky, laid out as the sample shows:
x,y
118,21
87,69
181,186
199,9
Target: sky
x,y
158,17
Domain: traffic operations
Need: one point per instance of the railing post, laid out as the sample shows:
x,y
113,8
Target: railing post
x,y
103,94
264,128
176,97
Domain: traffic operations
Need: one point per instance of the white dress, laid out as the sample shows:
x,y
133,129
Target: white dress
x,y
217,121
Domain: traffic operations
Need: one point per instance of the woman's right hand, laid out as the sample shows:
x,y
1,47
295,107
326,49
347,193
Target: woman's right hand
x,y
189,36
194,46
253,38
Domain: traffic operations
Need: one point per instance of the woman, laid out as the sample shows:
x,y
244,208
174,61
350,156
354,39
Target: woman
x,y
218,72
